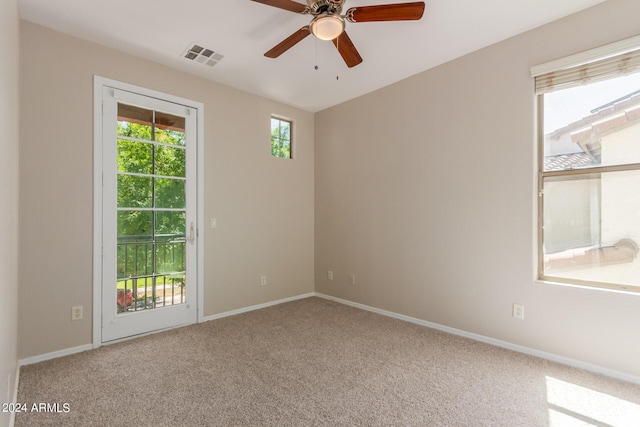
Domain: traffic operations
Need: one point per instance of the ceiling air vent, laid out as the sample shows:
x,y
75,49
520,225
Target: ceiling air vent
x,y
202,55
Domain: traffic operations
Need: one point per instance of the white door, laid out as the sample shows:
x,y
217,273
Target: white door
x,y
149,250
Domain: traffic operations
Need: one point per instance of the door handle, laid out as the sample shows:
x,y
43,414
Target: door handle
x,y
192,234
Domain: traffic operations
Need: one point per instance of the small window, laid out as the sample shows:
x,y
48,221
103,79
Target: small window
x,y
589,174
280,138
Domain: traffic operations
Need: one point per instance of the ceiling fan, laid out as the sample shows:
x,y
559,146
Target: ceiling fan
x,y
328,23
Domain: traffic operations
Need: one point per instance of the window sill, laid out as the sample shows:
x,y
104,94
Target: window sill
x,y
603,287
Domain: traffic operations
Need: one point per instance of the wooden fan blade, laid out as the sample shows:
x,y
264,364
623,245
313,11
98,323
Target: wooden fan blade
x,y
347,50
288,43
289,5
386,12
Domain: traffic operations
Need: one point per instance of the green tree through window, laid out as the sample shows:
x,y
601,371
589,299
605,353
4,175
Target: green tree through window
x,y
150,176
280,138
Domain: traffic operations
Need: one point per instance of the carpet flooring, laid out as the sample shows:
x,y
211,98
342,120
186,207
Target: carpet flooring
x,y
315,362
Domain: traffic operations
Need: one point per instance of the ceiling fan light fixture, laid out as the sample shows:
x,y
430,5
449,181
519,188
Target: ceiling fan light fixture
x,y
327,27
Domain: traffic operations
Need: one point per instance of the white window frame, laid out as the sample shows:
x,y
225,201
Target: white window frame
x,y
290,121
558,66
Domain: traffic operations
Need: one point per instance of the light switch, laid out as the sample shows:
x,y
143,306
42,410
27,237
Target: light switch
x,y
213,223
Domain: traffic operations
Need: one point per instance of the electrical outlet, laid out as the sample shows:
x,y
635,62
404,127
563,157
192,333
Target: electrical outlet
x,y
518,311
330,275
263,280
76,312
352,279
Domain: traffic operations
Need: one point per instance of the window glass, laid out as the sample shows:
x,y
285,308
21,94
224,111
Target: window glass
x,y
280,138
580,120
151,209
590,184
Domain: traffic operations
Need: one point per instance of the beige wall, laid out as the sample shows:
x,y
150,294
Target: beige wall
x,y
263,205
425,191
9,84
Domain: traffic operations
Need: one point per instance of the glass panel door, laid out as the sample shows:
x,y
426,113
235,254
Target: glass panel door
x,y
149,214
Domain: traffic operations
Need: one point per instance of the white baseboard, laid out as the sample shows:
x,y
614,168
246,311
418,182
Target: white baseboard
x,y
498,343
54,354
481,338
256,307
85,347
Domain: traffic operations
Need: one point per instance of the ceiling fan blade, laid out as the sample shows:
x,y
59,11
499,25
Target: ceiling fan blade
x,y
347,50
386,12
288,43
289,5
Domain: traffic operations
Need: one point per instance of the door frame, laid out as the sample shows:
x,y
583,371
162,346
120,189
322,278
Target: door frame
x,y
98,84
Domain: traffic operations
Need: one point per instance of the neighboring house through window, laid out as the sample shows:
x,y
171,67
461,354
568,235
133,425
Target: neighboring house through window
x,y
589,172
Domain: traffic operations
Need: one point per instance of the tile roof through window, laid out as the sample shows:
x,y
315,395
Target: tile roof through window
x,y
568,161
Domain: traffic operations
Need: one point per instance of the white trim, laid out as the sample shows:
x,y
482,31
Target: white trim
x,y
98,84
586,287
481,338
492,341
257,307
55,354
14,399
85,347
200,212
144,334
587,56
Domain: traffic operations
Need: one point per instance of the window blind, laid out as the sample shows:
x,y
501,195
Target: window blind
x,y
621,64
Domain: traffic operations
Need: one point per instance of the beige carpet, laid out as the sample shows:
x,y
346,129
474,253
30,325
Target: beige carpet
x,y
317,362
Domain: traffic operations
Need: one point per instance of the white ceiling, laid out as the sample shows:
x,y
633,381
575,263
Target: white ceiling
x,y
242,30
